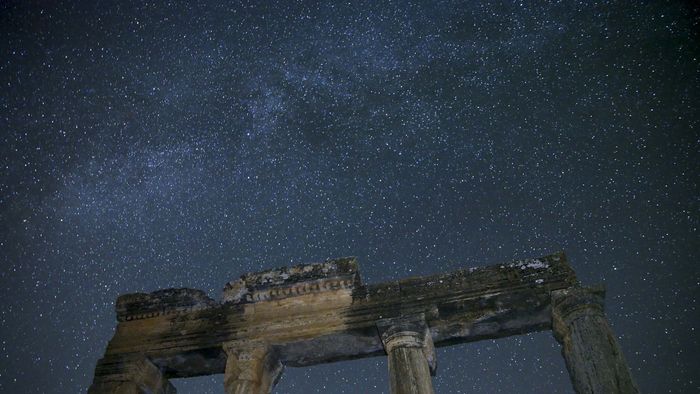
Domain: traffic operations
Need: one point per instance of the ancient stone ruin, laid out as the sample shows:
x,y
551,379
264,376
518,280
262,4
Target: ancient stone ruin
x,y
321,313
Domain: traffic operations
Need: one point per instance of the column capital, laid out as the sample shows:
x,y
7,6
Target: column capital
x,y
246,350
399,339
251,366
572,303
408,332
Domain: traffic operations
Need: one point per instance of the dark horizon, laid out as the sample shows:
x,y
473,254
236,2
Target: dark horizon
x,y
176,145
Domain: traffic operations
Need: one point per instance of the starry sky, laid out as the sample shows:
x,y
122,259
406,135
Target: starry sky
x,y
155,145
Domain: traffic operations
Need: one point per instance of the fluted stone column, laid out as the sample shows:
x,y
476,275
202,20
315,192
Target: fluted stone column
x,y
251,368
593,357
411,354
134,375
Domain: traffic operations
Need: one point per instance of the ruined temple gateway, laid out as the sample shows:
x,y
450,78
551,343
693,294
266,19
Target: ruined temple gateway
x,y
320,313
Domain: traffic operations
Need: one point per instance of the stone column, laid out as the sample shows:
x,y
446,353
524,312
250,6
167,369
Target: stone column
x,y
133,375
411,355
251,368
593,357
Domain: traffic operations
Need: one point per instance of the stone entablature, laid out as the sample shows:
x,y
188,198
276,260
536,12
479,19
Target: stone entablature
x,y
319,313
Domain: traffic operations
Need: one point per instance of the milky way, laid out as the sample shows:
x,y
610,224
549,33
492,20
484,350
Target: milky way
x,y
165,145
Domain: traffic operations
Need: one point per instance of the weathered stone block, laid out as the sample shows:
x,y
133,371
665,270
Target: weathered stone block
x,y
161,302
293,281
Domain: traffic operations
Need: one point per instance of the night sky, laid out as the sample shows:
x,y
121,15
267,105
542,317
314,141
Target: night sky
x,y
170,145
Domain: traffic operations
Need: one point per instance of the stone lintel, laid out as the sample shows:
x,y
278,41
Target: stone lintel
x,y
323,313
